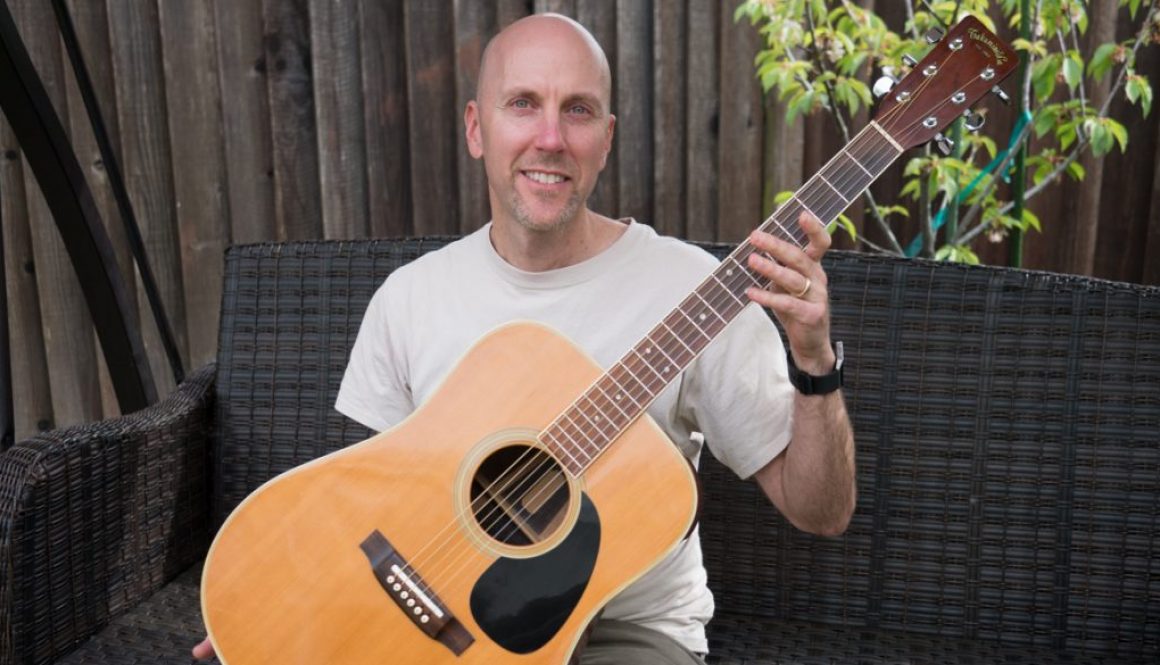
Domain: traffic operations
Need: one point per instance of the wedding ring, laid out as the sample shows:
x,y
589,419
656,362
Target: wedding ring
x,y
805,289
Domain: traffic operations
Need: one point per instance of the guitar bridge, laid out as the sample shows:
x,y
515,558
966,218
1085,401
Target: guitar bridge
x,y
413,596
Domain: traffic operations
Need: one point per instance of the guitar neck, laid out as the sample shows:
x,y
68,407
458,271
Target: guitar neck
x,y
589,426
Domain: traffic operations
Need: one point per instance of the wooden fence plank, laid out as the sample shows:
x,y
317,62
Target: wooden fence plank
x,y
509,11
334,37
431,81
669,118
565,7
384,74
599,16
633,100
146,158
199,169
31,394
297,194
703,99
245,108
91,23
475,24
68,330
742,114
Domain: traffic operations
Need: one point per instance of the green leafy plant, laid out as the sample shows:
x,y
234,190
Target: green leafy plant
x,y
820,54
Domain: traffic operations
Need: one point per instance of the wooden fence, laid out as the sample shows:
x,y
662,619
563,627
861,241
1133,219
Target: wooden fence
x,y
249,120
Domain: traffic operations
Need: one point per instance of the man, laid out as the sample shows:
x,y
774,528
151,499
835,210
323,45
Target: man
x,y
541,122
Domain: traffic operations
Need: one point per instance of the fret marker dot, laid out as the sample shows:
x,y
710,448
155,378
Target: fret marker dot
x,y
729,273
619,395
702,316
647,351
667,368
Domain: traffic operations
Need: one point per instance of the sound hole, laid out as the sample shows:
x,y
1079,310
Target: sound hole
x,y
519,495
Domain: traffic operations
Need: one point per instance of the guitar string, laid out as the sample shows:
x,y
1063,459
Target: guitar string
x,y
519,469
537,474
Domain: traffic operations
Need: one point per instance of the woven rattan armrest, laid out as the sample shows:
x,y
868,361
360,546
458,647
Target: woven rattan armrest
x,y
95,518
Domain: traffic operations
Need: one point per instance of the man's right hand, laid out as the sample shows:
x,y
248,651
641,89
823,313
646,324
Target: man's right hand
x,y
203,650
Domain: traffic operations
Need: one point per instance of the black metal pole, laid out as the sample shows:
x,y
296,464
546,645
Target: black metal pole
x,y
7,424
52,160
117,182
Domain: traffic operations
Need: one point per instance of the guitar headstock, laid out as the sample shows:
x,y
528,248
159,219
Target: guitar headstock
x,y
962,67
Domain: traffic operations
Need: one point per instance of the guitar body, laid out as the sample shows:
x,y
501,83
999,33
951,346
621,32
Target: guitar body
x,y
288,580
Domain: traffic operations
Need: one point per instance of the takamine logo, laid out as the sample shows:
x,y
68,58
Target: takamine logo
x,y
996,50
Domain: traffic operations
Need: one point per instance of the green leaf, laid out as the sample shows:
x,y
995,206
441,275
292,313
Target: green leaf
x,y
1102,140
846,223
1031,221
1139,91
1072,70
1118,131
1076,171
1045,120
1101,61
1043,75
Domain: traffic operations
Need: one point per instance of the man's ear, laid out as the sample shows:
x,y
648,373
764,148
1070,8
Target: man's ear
x,y
471,129
608,139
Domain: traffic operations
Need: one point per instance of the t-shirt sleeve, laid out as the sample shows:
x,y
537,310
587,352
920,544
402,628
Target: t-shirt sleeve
x,y
739,396
374,390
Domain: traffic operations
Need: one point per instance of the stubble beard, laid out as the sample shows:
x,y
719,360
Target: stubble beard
x,y
523,215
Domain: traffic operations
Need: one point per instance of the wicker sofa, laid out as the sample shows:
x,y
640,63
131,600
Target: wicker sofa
x,y
1008,428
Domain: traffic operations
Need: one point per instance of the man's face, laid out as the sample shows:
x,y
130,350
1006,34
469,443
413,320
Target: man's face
x,y
542,126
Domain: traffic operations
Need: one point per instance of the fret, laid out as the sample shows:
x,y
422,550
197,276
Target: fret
x,y
833,188
613,402
711,308
696,309
824,206
807,208
599,417
696,326
587,435
677,337
576,447
648,391
621,389
721,285
743,269
614,418
561,452
660,349
846,153
651,367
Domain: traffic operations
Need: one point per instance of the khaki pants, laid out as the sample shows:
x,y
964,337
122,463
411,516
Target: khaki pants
x,y
622,643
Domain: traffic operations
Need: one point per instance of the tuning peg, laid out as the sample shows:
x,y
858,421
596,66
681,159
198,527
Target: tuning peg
x,y
1003,96
944,144
883,86
909,60
973,120
934,35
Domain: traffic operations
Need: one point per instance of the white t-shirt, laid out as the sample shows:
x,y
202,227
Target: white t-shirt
x,y
429,312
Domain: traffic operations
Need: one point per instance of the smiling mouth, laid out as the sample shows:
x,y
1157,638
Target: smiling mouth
x,y
545,178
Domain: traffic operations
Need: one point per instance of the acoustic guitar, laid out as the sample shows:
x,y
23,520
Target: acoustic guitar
x,y
493,524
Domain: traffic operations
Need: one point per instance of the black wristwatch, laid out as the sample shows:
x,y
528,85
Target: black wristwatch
x,y
808,384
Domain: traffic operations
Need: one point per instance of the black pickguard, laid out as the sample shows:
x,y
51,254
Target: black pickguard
x,y
522,603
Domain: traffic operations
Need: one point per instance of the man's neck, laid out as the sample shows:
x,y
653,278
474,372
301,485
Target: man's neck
x,y
569,244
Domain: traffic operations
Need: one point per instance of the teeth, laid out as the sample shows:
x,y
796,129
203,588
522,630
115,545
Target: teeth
x,y
545,178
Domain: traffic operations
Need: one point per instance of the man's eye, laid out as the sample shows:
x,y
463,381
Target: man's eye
x,y
580,110
521,104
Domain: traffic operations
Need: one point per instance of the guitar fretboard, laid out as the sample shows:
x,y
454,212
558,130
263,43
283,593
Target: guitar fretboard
x,y
588,427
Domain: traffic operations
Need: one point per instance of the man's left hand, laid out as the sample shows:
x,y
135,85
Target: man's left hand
x,y
798,295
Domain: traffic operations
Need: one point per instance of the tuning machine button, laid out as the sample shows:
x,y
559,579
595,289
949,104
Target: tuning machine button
x,y
883,86
934,35
973,120
909,60
1001,94
944,144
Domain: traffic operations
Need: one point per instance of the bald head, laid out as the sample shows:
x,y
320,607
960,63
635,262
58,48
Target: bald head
x,y
541,32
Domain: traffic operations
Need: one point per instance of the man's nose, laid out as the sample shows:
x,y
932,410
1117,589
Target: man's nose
x,y
550,136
